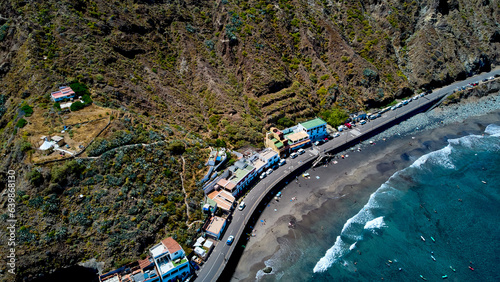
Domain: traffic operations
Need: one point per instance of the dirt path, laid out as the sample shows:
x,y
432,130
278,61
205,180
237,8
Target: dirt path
x,y
184,190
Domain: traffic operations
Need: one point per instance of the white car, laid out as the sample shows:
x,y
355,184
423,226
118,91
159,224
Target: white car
x,y
336,135
269,171
242,206
301,151
362,122
263,175
282,162
293,155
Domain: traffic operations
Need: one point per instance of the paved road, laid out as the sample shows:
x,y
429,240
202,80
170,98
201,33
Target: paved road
x,y
215,264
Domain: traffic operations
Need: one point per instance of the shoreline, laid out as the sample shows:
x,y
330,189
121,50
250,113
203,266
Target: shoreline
x,y
344,188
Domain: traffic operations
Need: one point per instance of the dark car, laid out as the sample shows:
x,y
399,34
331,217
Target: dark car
x,y
195,265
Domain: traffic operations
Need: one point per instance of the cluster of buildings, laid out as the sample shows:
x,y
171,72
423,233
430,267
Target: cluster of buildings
x,y
291,139
223,191
167,262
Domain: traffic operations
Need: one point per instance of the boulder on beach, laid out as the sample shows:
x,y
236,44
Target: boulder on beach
x,y
267,269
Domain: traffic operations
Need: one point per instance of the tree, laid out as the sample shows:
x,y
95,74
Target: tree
x,y
87,100
21,123
285,122
334,117
77,106
28,111
80,89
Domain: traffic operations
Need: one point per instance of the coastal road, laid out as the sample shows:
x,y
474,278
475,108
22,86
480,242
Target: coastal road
x,y
221,254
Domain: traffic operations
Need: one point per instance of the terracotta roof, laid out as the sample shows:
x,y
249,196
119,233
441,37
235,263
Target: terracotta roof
x,y
171,245
144,263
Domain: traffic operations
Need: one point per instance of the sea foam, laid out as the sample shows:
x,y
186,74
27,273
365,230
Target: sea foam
x,y
376,223
493,130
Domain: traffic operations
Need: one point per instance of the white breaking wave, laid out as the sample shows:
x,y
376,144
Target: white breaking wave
x,y
493,130
333,254
440,157
376,223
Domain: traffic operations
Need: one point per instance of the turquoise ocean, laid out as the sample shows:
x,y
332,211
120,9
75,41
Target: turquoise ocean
x,y
448,197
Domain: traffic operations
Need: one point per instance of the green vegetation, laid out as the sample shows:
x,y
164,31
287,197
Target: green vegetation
x,y
334,117
285,122
21,123
80,89
77,106
28,111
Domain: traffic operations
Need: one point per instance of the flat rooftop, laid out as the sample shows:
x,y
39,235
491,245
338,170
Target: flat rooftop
x,y
267,154
158,249
241,173
215,225
313,123
294,137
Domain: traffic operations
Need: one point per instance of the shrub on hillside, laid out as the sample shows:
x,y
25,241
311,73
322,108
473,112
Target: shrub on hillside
x,y
80,89
28,111
77,106
21,123
334,117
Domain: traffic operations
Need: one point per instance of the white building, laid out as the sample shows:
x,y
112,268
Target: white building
x,y
315,128
170,260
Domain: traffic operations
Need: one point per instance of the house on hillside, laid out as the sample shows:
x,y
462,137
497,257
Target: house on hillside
x,y
64,93
170,260
58,140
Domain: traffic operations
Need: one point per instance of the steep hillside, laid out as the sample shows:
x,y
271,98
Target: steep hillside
x,y
222,69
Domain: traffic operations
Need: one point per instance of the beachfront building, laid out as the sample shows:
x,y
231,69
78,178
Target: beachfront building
x,y
315,128
139,271
240,175
64,93
214,227
223,199
275,139
170,260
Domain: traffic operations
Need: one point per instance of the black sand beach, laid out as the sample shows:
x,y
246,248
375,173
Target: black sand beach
x,y
343,188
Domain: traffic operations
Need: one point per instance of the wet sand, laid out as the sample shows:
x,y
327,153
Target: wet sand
x,y
342,189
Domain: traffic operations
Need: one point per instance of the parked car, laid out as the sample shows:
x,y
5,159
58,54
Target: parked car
x,y
336,135
282,162
269,171
263,175
362,122
325,139
316,143
230,240
242,206
293,155
301,151
348,125
195,265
